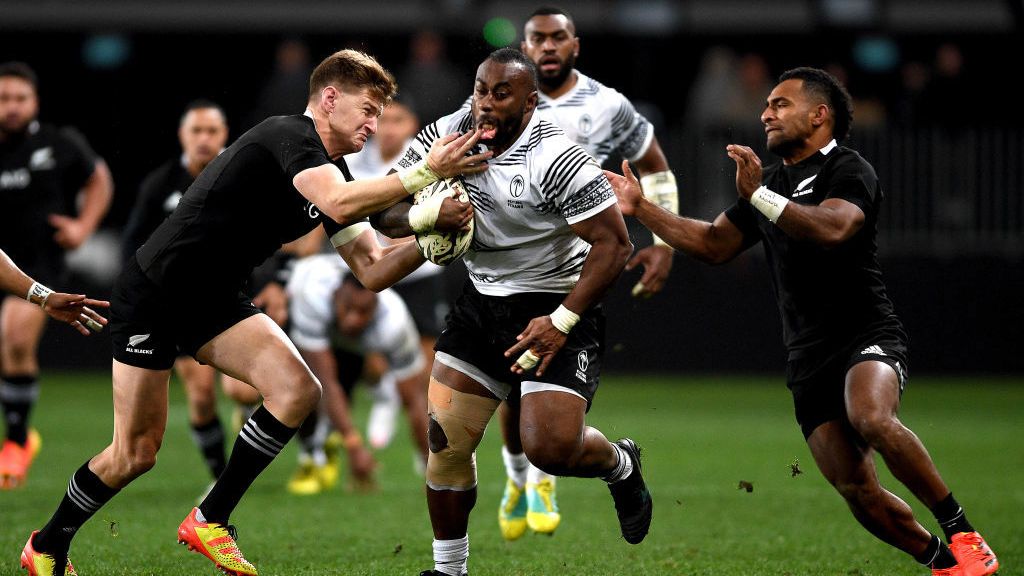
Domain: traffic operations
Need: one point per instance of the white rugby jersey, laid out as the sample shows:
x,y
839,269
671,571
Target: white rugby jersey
x,y
598,118
311,311
524,203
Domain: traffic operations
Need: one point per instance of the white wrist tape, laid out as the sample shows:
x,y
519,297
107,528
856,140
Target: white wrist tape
x,y
564,319
768,203
422,217
660,188
349,233
417,177
37,294
528,360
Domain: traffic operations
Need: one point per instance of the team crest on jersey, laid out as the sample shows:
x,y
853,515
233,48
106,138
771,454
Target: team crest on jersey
x,y
517,186
516,189
586,124
42,159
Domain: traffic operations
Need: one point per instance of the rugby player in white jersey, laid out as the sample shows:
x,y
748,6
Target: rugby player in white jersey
x,y
335,319
548,243
604,123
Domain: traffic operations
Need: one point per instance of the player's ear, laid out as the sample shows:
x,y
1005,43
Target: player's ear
x,y
820,115
575,46
328,98
531,102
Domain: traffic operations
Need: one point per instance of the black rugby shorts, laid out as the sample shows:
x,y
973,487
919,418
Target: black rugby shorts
x,y
480,328
152,325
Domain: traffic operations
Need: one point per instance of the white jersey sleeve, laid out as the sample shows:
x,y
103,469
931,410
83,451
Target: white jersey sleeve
x,y
310,300
600,119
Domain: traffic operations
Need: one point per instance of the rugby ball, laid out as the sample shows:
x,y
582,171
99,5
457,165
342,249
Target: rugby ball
x,y
442,248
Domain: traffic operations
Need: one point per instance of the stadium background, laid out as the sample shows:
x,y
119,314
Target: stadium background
x,y
949,150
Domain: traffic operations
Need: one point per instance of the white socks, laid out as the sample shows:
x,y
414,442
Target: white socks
x,y
516,466
623,469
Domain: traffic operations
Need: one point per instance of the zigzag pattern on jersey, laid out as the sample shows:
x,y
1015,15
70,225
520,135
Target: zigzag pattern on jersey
x,y
628,116
559,175
480,201
579,98
541,130
574,265
427,136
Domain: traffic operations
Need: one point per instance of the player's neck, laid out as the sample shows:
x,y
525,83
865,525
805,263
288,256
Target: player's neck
x,y
331,141
810,147
562,89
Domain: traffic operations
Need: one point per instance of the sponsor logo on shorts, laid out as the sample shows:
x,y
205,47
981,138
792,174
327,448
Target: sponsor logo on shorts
x,y
873,349
583,362
134,341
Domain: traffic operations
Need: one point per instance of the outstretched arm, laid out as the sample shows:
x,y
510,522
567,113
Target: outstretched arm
x,y
375,266
343,201
659,186
712,242
72,309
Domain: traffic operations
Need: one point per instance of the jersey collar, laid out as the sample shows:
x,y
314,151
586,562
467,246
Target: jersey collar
x,y
828,147
580,80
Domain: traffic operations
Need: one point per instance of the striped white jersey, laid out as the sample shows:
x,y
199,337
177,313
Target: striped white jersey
x,y
391,332
524,203
598,118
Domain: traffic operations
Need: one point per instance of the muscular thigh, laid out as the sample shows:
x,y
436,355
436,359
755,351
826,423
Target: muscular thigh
x,y
255,351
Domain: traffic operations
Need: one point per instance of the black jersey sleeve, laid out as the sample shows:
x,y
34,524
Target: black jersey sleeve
x,y
742,215
299,150
854,180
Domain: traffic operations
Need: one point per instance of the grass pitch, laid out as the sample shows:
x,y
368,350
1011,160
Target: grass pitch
x,y
702,437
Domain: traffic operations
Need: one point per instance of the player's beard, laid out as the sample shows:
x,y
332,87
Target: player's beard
x,y
10,127
554,81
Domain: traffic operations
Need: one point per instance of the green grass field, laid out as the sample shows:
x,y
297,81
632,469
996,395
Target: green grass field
x,y
701,435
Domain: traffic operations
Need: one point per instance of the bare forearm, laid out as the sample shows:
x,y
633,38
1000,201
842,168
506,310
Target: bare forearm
x,y
12,279
394,221
684,234
825,224
602,267
384,269
96,197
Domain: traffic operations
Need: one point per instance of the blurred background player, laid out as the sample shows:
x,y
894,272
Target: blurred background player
x,y
817,214
202,133
335,323
54,191
603,122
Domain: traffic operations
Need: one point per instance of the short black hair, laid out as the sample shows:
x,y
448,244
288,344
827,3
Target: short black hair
x,y
554,11
203,104
510,55
20,70
550,11
824,85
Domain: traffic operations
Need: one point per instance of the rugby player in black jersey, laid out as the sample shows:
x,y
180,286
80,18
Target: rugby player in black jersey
x,y
816,214
182,290
44,173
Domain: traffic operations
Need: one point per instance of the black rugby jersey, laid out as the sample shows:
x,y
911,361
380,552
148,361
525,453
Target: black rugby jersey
x,y
240,209
41,173
159,194
826,296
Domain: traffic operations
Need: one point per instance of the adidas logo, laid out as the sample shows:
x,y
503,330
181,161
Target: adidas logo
x,y
874,349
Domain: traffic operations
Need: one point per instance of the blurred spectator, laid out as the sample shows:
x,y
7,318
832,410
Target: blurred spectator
x,y
436,84
742,106
948,91
715,80
870,110
287,89
910,106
